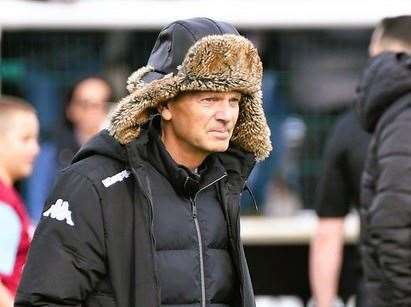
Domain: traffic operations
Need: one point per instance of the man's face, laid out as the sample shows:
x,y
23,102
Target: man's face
x,y
89,106
202,122
20,144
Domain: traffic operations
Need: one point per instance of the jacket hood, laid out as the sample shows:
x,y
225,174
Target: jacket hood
x,y
214,63
174,41
102,144
385,80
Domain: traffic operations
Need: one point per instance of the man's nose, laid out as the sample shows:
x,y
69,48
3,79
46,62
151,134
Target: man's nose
x,y
224,111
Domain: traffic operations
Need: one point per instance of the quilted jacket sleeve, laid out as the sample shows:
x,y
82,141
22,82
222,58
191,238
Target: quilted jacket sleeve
x,y
66,259
390,218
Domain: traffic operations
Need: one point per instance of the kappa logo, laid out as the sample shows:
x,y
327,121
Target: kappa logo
x,y
60,211
115,178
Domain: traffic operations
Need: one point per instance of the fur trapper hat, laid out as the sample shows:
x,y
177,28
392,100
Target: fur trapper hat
x,y
223,63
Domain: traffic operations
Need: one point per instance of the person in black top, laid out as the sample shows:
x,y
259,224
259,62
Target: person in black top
x,y
337,192
339,186
344,159
384,109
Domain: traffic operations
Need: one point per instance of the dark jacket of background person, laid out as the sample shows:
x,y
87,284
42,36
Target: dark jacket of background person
x,y
384,107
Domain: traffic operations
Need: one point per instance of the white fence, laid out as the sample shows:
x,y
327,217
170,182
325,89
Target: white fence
x,y
143,14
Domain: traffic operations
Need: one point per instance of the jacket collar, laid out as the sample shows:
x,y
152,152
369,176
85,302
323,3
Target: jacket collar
x,y
234,162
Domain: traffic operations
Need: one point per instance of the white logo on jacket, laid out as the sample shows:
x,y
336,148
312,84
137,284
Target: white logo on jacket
x,y
60,211
115,178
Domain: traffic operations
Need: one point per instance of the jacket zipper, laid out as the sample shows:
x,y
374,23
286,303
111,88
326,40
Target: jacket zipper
x,y
199,238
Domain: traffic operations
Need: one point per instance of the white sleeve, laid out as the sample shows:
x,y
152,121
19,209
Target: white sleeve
x,y
9,238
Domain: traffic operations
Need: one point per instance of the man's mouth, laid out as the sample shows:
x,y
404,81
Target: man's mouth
x,y
223,130
220,133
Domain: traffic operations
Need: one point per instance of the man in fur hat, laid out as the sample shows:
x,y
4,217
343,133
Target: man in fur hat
x,y
148,213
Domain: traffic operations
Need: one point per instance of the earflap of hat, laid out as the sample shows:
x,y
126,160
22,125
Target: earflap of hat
x,y
134,110
251,132
127,119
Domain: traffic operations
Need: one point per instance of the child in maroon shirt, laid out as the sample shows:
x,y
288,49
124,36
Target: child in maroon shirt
x,y
18,149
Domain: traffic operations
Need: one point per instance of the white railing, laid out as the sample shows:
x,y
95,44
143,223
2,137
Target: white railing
x,y
294,230
146,14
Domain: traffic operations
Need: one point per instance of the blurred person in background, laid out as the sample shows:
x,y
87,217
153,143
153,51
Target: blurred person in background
x,y
384,108
338,191
148,212
19,130
86,111
339,186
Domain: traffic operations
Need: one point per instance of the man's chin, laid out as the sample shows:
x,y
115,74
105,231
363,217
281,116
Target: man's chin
x,y
219,147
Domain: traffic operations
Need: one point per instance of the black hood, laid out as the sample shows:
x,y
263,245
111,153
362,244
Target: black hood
x,y
385,80
102,144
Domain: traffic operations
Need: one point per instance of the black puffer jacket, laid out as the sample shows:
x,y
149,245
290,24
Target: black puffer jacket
x,y
193,258
96,242
384,106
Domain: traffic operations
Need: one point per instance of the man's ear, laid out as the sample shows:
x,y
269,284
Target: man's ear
x,y
164,110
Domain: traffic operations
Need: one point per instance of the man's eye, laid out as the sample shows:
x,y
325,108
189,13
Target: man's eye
x,y
234,102
208,100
